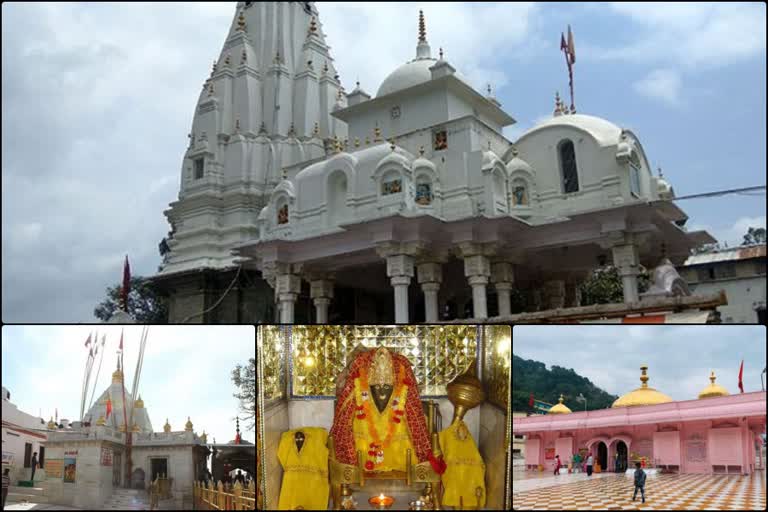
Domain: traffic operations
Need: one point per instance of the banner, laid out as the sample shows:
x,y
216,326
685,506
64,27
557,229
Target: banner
x,y
549,453
54,468
106,456
70,470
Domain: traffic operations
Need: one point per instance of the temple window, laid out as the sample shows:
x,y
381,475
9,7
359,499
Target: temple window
x,y
424,194
199,168
391,186
441,140
634,179
569,174
282,215
519,193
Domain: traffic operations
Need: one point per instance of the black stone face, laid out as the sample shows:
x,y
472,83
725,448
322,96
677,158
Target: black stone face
x,y
298,438
381,394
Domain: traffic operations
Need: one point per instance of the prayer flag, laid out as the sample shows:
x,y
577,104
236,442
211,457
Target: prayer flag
x,y
121,340
741,373
88,341
571,48
126,283
563,45
109,407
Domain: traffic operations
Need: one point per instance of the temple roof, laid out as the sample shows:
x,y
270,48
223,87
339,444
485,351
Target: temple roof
x,y
713,389
643,395
559,408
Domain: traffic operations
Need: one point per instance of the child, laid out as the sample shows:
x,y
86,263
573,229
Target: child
x,y
639,482
557,464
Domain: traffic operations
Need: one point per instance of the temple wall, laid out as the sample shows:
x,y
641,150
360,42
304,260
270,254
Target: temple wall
x,y
275,423
93,482
491,446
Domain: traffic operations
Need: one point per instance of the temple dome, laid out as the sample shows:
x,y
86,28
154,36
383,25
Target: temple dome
x,y
603,131
559,408
409,74
642,395
713,389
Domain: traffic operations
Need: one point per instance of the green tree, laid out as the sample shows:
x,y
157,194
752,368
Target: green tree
x,y
604,286
244,378
754,236
145,303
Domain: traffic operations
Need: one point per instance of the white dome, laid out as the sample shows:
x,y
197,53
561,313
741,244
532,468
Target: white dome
x,y
409,74
605,132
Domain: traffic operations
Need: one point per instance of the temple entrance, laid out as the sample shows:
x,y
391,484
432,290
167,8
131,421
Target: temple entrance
x,y
159,467
117,464
621,461
602,455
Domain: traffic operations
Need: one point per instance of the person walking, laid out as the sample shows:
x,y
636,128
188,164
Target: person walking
x,y
6,484
590,461
34,466
557,464
639,482
577,458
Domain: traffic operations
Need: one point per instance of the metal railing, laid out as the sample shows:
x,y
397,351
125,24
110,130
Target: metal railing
x,y
222,496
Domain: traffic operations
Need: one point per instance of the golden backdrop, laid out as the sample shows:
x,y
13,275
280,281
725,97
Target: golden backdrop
x,y
498,363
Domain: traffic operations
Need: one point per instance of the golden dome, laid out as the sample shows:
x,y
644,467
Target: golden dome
x,y
167,426
117,376
642,395
101,420
51,424
135,428
713,389
139,404
122,428
204,438
559,408
188,426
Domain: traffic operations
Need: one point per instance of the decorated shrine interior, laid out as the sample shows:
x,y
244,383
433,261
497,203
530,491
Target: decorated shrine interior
x,y
401,417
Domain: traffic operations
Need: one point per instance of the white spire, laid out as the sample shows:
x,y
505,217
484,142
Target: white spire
x,y
423,51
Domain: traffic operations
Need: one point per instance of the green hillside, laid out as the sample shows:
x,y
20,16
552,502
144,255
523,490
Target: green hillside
x,y
529,376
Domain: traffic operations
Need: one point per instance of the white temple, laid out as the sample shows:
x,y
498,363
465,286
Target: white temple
x,y
98,412
397,207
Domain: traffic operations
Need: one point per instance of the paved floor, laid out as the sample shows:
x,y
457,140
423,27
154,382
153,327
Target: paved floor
x,y
665,492
37,506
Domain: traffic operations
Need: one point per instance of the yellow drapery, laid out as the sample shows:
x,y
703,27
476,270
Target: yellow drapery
x,y
466,470
305,472
394,453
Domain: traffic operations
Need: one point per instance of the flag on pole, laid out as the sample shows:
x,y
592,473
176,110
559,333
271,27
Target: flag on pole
x,y
571,47
563,45
126,283
741,373
530,401
121,341
109,407
57,415
88,341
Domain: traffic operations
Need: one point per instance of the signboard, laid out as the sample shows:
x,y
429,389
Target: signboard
x,y
70,470
540,406
106,456
8,457
54,468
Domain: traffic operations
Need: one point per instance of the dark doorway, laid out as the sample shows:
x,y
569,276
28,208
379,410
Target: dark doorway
x,y
621,449
41,459
159,467
602,456
27,455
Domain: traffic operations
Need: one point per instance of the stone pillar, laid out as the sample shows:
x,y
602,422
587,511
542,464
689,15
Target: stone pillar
x,y
400,270
572,294
555,294
627,261
321,292
477,268
430,275
287,288
502,276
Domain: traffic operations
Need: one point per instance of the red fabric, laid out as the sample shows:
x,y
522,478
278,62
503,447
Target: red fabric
x,y
121,340
741,373
341,430
126,283
563,46
109,407
530,401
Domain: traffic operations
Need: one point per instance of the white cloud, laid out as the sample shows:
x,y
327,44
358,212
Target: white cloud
x,y
733,233
661,84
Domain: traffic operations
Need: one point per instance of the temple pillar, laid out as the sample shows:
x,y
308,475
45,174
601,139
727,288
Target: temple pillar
x,y
287,281
555,294
477,269
400,270
503,277
627,261
321,293
430,276
572,294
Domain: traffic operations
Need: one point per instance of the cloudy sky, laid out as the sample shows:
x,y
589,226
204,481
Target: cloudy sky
x,y
679,357
97,100
186,372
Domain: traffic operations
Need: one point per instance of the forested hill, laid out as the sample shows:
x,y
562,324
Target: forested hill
x,y
529,376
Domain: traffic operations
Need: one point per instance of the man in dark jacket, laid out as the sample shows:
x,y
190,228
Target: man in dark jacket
x,y
34,466
639,482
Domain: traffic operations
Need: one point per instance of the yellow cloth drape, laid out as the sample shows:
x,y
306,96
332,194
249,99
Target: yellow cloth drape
x,y
466,470
394,454
305,472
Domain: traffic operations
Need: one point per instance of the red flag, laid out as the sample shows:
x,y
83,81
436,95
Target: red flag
x,y
121,340
741,373
109,407
88,341
126,284
563,45
530,401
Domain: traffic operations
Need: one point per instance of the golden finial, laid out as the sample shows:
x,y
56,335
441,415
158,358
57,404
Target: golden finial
x,y
422,28
51,424
101,421
712,377
377,134
392,143
204,437
167,426
312,25
139,404
558,104
227,60
367,141
441,53
421,151
188,426
644,376
241,22
316,130
357,85
336,144
136,428
357,142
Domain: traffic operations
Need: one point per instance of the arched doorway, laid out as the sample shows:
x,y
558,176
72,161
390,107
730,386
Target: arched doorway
x,y
621,450
602,455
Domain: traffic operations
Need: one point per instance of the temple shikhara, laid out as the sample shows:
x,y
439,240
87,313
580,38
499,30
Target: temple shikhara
x,y
316,203
713,433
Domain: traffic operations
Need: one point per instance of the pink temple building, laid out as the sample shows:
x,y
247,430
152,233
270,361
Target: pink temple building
x,y
715,433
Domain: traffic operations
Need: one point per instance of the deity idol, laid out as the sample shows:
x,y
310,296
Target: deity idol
x,y
379,413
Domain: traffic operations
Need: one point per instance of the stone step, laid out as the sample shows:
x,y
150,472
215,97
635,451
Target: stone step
x,y
26,490
17,497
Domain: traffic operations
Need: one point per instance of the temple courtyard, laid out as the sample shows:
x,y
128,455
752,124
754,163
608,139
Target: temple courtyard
x,y
614,492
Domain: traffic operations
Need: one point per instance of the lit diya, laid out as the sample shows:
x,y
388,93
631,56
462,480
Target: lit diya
x,y
381,502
